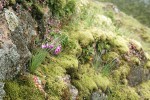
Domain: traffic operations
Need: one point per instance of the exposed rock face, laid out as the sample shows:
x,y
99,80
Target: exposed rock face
x,y
16,32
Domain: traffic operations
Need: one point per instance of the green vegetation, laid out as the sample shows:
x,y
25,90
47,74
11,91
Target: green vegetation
x,y
97,52
37,59
139,9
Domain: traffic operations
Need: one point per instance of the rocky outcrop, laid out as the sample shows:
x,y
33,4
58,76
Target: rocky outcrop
x,y
16,33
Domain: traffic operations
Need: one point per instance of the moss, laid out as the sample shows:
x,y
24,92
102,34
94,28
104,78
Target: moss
x,y
120,43
147,64
144,90
85,38
55,87
67,61
88,80
135,61
120,74
147,55
136,44
110,56
98,34
12,91
123,93
102,82
12,2
21,89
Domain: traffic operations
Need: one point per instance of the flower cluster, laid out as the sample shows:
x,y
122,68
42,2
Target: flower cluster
x,y
50,47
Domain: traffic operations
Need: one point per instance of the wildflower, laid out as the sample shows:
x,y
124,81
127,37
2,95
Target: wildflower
x,y
51,46
47,45
43,46
58,49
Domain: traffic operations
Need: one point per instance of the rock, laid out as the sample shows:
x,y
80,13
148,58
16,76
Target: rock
x,y
74,92
9,61
72,89
137,75
98,96
2,92
12,19
16,31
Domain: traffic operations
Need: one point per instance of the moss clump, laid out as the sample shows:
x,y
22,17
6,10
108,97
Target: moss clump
x,y
98,34
84,37
120,74
67,61
12,2
87,80
144,90
22,89
110,56
123,93
147,64
120,43
135,61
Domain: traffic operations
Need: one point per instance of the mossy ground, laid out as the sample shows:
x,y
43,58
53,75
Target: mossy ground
x,y
93,25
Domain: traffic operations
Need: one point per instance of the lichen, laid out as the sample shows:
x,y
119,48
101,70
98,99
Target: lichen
x,y
12,19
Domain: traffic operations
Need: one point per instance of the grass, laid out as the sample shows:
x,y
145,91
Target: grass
x,y
37,59
105,69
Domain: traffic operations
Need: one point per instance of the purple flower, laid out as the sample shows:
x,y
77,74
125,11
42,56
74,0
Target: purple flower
x,y
47,45
57,50
43,46
51,46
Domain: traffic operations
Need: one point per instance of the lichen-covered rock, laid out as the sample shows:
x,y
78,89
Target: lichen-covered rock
x,y
9,62
138,75
2,92
12,19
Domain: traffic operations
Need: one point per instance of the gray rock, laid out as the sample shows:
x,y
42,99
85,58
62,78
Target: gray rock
x,y
9,60
137,75
16,31
2,92
98,96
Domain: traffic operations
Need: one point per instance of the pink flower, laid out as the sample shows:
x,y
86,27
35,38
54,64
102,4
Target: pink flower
x,y
47,45
43,46
57,50
51,46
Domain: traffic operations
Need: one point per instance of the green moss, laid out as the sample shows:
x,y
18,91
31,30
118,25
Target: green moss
x,y
84,37
12,91
101,82
123,93
147,64
88,80
135,61
110,56
98,34
21,89
136,44
120,43
144,90
67,61
12,2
